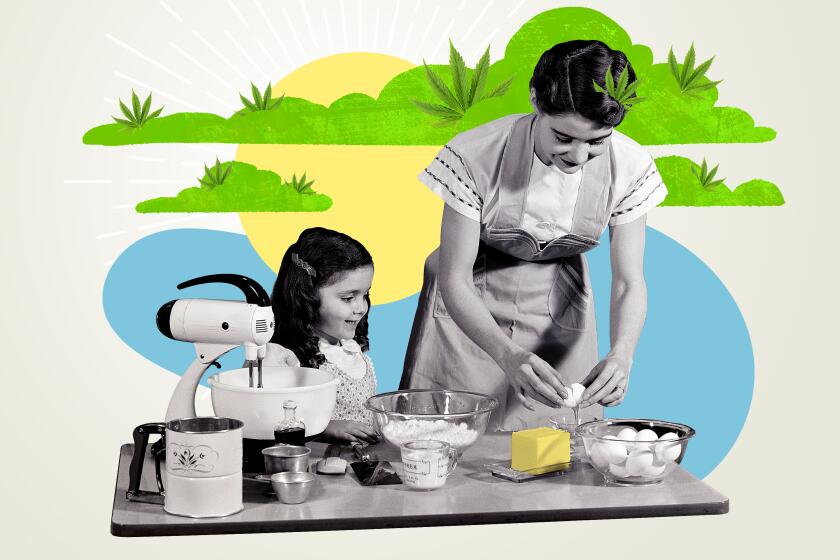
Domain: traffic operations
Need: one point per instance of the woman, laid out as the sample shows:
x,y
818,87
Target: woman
x,y
506,306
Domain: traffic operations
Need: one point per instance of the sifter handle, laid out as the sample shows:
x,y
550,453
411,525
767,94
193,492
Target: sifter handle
x,y
141,438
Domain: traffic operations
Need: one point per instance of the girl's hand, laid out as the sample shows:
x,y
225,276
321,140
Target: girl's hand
x,y
532,378
350,431
607,382
276,355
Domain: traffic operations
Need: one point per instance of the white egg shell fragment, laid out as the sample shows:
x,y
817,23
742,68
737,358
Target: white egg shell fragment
x,y
665,451
575,392
627,434
613,451
638,462
646,435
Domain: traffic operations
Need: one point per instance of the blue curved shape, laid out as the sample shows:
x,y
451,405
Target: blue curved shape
x,y
694,362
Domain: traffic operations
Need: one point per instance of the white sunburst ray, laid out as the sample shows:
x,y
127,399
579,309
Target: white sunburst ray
x,y
212,48
516,8
156,90
431,24
222,102
238,13
328,30
274,33
172,12
147,58
407,36
294,34
461,5
484,45
344,25
279,70
308,20
263,75
481,14
201,66
393,26
443,39
376,29
359,34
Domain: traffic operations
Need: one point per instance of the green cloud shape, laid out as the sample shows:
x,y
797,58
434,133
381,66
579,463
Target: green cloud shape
x,y
667,116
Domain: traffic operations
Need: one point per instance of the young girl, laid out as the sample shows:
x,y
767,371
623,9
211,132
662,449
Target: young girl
x,y
320,302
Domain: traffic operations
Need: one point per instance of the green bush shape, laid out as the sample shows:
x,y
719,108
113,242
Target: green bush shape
x,y
684,189
246,189
666,117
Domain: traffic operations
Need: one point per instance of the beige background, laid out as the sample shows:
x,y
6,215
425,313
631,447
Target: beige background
x,y
73,390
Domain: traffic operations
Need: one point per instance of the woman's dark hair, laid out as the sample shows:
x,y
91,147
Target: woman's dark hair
x,y
318,258
563,81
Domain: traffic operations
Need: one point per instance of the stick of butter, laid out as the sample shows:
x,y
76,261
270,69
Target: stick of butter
x,y
538,450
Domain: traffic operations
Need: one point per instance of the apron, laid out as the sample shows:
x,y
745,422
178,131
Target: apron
x,y
538,292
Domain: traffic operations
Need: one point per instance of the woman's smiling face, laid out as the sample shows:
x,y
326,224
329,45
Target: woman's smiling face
x,y
343,304
567,141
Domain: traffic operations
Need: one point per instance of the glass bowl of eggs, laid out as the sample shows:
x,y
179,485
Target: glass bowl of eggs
x,y
634,451
456,417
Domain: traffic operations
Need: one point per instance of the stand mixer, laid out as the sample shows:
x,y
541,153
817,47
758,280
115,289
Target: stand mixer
x,y
216,327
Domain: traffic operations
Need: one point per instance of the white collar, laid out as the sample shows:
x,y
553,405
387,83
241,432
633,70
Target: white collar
x,y
347,355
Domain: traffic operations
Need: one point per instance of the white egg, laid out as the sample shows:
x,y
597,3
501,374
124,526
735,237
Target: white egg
x,y
574,391
598,456
627,434
646,435
618,470
638,462
667,452
654,470
613,451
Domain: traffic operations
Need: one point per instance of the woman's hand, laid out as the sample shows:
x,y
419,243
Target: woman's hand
x,y
350,431
532,378
606,384
276,355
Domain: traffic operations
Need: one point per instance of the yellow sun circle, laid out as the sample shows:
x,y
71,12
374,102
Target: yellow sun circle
x,y
377,198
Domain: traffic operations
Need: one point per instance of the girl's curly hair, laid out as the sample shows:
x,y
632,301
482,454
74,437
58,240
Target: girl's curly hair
x,y
329,254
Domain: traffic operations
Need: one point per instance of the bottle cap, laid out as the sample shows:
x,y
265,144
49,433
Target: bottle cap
x,y
289,404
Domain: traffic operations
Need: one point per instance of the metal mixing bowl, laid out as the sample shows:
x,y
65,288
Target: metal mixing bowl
x,y
456,417
286,458
626,459
292,487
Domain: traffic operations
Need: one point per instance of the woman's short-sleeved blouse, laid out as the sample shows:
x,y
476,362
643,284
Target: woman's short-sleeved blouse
x,y
637,185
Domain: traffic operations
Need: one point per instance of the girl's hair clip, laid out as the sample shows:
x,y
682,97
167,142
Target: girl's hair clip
x,y
303,264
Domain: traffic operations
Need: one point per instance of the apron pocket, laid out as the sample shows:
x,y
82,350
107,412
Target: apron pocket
x,y
479,280
568,300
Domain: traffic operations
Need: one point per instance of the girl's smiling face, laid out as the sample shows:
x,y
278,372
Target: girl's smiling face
x,y
567,141
343,304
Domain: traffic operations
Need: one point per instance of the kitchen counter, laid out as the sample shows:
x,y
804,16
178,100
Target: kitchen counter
x,y
471,496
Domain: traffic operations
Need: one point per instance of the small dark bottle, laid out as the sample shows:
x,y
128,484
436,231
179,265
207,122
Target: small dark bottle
x,y
290,430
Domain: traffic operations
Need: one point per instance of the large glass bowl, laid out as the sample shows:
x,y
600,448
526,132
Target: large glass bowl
x,y
634,451
456,417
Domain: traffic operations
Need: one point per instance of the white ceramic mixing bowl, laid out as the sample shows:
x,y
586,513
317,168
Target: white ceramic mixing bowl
x,y
260,409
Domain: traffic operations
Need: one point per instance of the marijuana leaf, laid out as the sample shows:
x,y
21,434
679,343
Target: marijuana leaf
x,y
138,115
624,92
261,101
215,176
300,185
688,77
705,175
466,90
